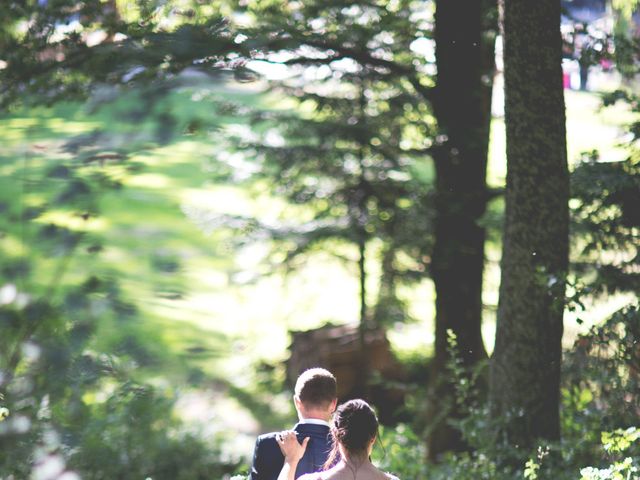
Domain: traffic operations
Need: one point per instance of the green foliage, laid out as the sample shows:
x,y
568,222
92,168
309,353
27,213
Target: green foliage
x,y
401,452
354,152
620,440
474,422
621,467
406,459
594,424
74,355
63,50
605,218
626,7
531,469
600,384
135,430
66,402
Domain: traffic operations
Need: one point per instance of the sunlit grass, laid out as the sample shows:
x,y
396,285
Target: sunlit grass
x,y
589,127
592,127
12,246
74,222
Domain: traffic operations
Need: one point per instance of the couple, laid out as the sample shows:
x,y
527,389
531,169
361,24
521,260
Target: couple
x,y
314,449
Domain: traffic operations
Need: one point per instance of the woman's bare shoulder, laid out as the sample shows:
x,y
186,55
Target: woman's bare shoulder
x,y
311,476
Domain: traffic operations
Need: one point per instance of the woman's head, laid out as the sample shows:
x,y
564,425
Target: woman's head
x,y
355,427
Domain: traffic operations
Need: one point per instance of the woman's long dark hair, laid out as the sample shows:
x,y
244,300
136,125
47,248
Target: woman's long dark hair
x,y
355,425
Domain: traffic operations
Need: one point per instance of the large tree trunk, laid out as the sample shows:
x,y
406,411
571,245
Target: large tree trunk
x,y
525,368
462,106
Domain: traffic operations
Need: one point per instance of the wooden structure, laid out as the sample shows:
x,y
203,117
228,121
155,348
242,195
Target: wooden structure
x,y
366,369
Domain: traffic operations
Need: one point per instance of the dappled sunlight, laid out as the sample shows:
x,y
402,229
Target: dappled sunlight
x,y
180,237
188,153
149,180
589,127
205,205
497,161
592,127
21,131
579,323
166,202
13,246
64,126
321,291
420,299
412,338
218,198
73,221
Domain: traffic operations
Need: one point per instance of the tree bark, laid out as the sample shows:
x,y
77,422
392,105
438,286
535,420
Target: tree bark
x,y
525,367
462,106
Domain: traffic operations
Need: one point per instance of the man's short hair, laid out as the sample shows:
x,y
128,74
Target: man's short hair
x,y
316,387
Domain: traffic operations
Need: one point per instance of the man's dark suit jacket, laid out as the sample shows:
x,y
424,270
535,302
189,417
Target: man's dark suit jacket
x,y
268,459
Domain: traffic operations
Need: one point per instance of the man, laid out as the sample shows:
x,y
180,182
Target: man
x,y
315,399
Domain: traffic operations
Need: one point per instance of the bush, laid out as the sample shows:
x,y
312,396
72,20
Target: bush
x,y
601,386
600,401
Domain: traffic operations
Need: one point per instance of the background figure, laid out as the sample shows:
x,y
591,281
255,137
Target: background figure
x,y
354,431
315,400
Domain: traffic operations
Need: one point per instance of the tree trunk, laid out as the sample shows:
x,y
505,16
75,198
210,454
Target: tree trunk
x,y
525,367
462,106
388,308
362,274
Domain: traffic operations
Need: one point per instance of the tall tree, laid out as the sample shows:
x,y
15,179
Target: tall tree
x,y
462,107
525,368
377,40
353,66
354,152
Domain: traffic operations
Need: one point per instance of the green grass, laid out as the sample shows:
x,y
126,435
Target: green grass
x,y
589,127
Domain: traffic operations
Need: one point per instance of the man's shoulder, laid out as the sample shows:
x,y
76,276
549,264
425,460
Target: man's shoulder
x,y
267,458
267,436
267,439
311,429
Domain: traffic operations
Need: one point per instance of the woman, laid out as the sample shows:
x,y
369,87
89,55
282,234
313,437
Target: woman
x,y
354,431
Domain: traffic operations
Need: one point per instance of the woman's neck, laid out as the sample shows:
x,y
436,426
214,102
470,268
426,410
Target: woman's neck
x,y
355,461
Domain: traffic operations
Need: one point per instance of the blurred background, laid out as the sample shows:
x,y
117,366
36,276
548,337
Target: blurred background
x,y
200,199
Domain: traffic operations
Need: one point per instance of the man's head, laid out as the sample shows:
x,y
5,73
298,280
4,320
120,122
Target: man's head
x,y
315,394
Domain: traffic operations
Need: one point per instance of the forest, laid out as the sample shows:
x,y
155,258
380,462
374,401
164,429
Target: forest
x,y
436,200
